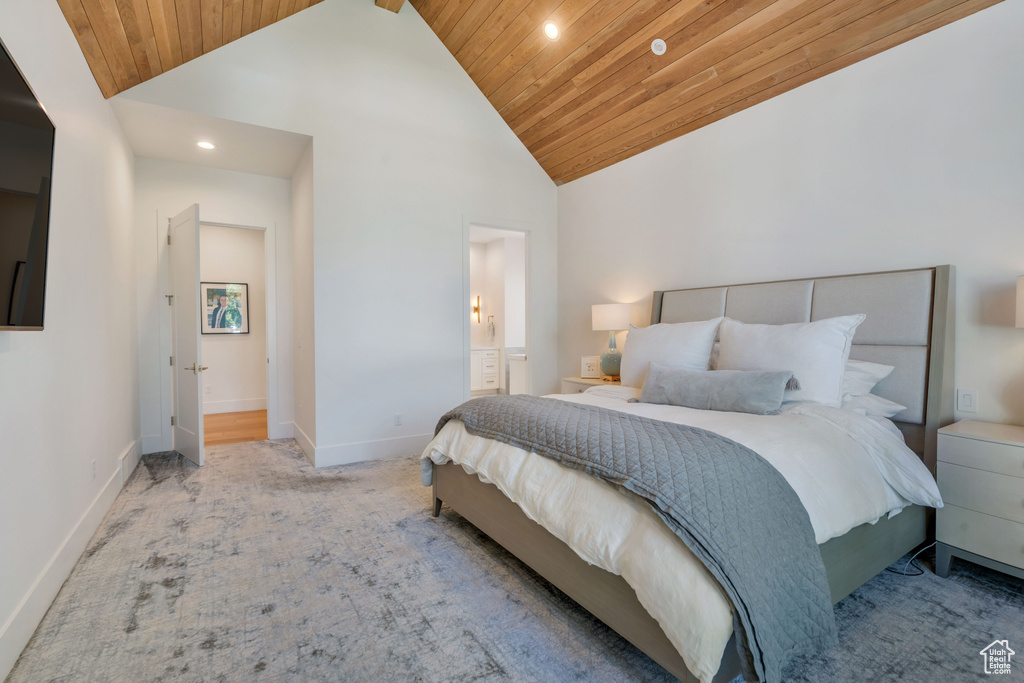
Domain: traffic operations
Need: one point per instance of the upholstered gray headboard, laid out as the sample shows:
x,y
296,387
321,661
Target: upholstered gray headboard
x,y
909,325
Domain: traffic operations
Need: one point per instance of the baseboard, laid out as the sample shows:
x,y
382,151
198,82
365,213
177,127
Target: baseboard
x,y
239,405
283,430
343,454
305,443
15,634
128,461
154,444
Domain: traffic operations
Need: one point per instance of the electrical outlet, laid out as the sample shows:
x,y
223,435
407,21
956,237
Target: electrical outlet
x,y
966,400
93,467
207,389
398,419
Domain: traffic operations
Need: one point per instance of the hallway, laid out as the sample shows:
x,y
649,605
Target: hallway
x,y
225,428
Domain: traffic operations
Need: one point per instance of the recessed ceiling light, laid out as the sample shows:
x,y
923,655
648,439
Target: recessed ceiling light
x,y
203,144
551,31
658,47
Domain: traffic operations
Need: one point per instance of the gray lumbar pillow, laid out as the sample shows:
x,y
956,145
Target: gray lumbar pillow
x,y
737,391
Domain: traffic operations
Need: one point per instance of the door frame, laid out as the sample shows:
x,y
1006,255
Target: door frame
x,y
508,226
275,429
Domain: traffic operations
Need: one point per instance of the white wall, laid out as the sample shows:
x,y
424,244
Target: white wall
x,y
910,158
493,308
69,394
408,151
163,189
494,304
236,375
303,331
515,291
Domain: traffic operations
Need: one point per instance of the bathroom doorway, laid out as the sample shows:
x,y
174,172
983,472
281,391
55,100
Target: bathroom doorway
x,y
498,311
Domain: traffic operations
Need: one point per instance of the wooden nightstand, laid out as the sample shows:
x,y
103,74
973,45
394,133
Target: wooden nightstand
x,y
577,385
981,477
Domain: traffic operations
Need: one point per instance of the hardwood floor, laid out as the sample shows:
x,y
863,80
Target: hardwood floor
x,y
222,428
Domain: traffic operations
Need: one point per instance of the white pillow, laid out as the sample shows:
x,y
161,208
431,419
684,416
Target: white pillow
x,y
873,405
816,353
682,345
862,376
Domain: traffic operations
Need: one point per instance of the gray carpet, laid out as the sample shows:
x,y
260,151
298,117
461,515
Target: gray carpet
x,y
259,567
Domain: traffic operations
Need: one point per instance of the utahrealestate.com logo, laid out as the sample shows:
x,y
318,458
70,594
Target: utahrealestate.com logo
x,y
997,657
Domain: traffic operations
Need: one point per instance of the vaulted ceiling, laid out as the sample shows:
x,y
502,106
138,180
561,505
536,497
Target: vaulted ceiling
x,y
599,94
593,97
127,42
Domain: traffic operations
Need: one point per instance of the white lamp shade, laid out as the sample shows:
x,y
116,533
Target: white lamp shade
x,y
611,317
1020,301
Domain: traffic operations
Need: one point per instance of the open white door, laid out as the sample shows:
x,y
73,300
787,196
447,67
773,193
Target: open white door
x,y
183,232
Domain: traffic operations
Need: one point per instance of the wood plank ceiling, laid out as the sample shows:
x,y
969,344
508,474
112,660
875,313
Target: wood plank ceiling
x,y
594,96
598,94
127,42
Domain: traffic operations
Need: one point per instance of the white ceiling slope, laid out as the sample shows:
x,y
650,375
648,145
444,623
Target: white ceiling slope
x,y
171,135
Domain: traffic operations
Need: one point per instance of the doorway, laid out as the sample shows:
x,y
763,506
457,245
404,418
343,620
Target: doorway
x,y
210,298
498,310
233,305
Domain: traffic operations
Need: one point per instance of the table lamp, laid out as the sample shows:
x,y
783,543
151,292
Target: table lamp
x,y
611,318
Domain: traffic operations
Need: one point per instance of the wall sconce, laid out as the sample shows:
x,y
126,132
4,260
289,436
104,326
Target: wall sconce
x,y
476,308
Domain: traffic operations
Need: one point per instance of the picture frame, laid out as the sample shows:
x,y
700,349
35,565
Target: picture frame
x,y
234,297
590,367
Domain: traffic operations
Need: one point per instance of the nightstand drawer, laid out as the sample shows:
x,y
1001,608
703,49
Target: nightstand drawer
x,y
982,455
992,537
987,492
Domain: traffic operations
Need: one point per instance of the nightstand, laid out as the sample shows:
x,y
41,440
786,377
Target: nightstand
x,y
577,385
981,477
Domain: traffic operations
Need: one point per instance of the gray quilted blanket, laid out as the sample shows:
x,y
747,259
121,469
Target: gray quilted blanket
x,y
724,501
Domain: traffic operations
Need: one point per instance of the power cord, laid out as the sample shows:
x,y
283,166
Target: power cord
x,y
920,569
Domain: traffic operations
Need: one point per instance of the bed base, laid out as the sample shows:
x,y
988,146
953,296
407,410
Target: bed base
x,y
850,561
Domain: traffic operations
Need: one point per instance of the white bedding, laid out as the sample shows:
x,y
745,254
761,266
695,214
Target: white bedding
x,y
847,469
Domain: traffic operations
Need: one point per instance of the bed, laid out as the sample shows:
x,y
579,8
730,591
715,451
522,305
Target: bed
x,y
909,325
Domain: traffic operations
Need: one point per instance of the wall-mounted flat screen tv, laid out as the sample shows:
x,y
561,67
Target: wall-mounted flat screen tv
x,y
26,165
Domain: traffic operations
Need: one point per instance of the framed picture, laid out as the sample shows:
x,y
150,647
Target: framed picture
x,y
590,368
225,307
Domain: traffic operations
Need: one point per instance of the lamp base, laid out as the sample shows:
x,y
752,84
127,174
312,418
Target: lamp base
x,y
611,378
611,360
